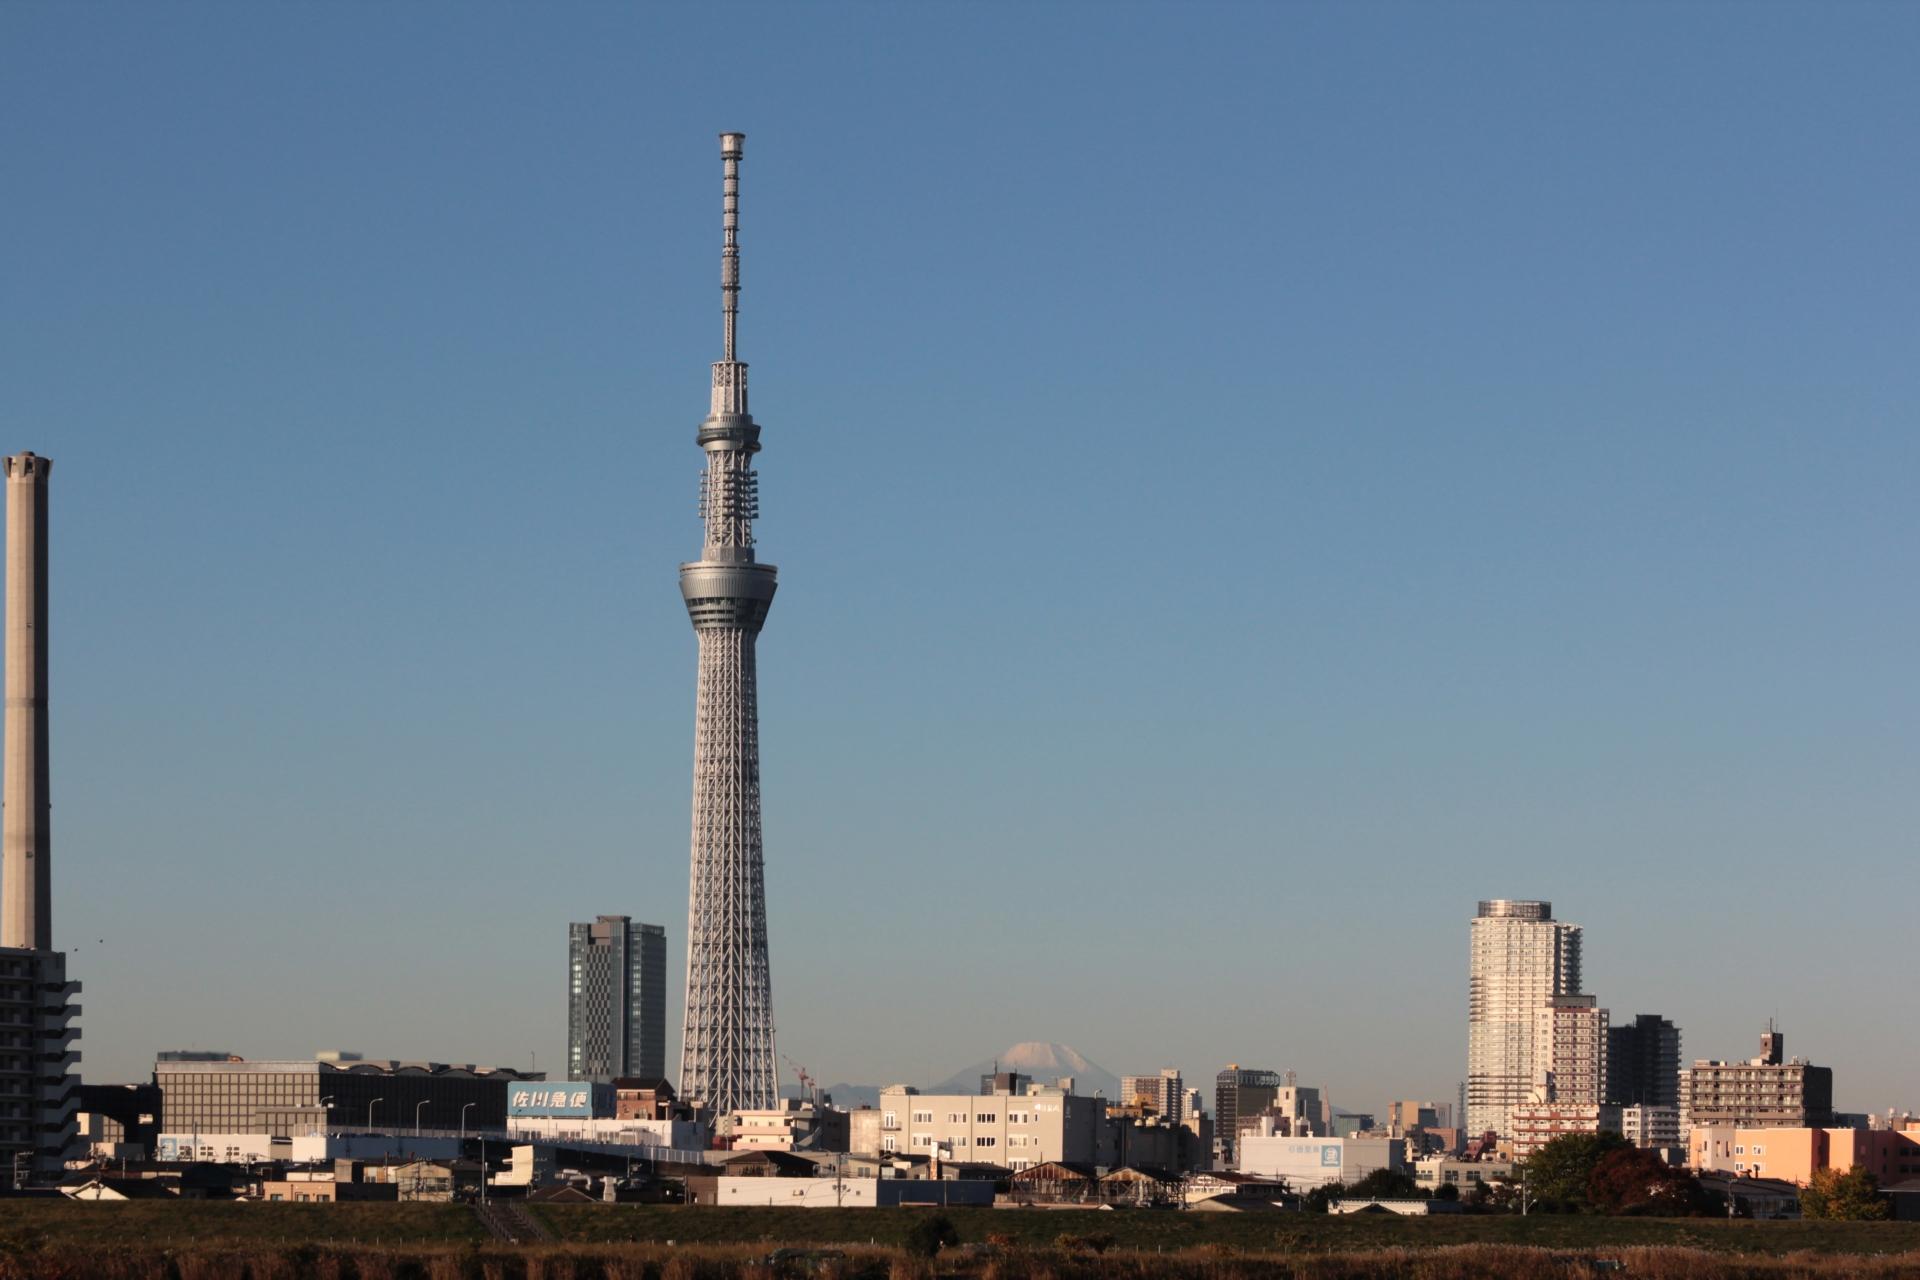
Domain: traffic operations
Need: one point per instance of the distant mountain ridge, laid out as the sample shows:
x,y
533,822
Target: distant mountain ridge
x,y
1041,1060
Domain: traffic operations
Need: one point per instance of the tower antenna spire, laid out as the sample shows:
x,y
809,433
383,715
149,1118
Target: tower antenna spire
x,y
727,1059
732,147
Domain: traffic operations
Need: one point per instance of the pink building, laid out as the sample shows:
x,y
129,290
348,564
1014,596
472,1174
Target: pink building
x,y
1795,1155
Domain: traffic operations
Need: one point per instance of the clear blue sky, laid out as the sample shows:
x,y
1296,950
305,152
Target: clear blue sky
x,y
1247,482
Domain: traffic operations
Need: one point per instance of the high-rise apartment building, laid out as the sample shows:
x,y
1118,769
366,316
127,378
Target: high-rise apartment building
x,y
1643,1062
39,1087
1164,1093
616,1000
1763,1091
1570,1051
1519,957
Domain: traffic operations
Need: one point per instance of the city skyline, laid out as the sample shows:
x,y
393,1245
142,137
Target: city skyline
x,y
1558,376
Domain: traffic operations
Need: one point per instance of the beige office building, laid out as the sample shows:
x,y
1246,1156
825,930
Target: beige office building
x,y
1163,1093
1016,1130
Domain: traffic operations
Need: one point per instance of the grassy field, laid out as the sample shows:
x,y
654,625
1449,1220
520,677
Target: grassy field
x,y
200,1222
201,1241
1171,1231
39,1224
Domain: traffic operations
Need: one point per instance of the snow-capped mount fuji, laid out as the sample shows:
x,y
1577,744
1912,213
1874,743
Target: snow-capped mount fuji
x,y
1041,1060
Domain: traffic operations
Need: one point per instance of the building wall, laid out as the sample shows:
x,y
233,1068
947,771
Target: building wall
x,y
308,1148
845,1193
1405,1115
39,1060
1796,1154
1649,1126
679,1135
1165,1092
1313,1162
324,1190
1537,1124
1015,1130
1439,1171
1755,1094
221,1148
286,1097
1518,956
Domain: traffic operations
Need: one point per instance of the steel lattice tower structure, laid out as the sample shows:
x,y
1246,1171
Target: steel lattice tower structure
x,y
727,1058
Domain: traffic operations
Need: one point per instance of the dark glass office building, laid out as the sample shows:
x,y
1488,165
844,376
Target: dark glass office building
x,y
616,1000
1643,1063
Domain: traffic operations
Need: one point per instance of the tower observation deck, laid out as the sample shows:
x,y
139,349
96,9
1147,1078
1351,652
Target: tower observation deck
x,y
727,1058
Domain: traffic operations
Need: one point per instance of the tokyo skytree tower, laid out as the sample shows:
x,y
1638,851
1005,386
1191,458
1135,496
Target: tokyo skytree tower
x,y
726,1057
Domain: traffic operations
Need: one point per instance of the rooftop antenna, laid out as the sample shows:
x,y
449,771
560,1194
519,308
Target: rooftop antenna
x,y
732,147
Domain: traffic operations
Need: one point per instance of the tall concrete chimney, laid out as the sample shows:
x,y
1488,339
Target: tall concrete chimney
x,y
26,826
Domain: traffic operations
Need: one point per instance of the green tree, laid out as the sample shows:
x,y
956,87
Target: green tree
x,y
1318,1199
1558,1172
1853,1195
1447,1191
1385,1184
1635,1181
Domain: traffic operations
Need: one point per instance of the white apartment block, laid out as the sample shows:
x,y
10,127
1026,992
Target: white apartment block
x,y
1519,957
1013,1130
1649,1126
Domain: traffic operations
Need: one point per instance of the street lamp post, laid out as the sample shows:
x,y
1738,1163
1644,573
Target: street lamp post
x,y
463,1119
370,1107
416,1115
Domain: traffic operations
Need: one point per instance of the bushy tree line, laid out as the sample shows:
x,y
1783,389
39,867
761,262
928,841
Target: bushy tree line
x,y
1853,1196
1604,1173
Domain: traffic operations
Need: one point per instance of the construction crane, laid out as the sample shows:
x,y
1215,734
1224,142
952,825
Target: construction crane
x,y
809,1088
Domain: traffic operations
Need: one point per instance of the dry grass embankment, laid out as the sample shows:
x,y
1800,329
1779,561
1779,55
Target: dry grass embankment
x,y
740,1262
42,1240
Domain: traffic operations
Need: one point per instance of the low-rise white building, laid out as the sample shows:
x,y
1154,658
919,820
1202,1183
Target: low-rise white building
x,y
223,1148
675,1135
848,1193
1017,1131
1434,1172
1306,1163
306,1148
